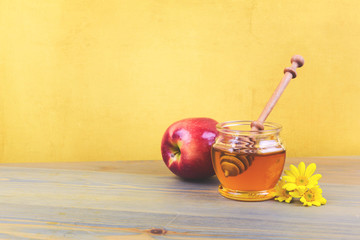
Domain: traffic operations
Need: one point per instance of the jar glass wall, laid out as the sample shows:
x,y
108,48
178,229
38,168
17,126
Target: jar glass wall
x,y
248,163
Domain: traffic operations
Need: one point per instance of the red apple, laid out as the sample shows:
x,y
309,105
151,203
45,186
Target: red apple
x,y
186,147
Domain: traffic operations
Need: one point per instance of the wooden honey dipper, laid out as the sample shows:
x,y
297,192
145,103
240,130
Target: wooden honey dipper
x,y
231,165
290,73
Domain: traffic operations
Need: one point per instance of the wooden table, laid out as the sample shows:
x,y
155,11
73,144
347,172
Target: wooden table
x,y
143,200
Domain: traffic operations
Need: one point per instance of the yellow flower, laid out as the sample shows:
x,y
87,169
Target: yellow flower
x,y
312,196
299,178
282,194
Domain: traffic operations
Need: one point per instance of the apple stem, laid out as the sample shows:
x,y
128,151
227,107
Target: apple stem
x,y
290,73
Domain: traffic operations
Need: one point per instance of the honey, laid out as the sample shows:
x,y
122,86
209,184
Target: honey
x,y
248,172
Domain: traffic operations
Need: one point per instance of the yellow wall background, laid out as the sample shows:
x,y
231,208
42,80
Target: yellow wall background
x,y
102,80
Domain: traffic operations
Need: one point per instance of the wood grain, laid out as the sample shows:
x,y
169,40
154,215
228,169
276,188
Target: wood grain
x,y
143,200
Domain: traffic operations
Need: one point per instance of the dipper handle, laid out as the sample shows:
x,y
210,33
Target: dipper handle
x,y
289,73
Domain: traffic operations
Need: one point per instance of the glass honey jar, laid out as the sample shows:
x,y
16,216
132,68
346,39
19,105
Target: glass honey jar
x,y
248,163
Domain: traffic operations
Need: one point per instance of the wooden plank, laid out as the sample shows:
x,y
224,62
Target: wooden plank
x,y
126,202
344,170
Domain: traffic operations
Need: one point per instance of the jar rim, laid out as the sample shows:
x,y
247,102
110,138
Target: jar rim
x,y
270,127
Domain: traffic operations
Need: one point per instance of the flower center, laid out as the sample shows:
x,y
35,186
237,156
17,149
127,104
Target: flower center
x,y
309,196
302,181
286,193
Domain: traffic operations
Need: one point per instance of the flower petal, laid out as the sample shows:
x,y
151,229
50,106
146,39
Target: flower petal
x,y
311,184
315,177
295,194
289,186
318,190
289,173
294,170
289,179
310,170
301,168
302,189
